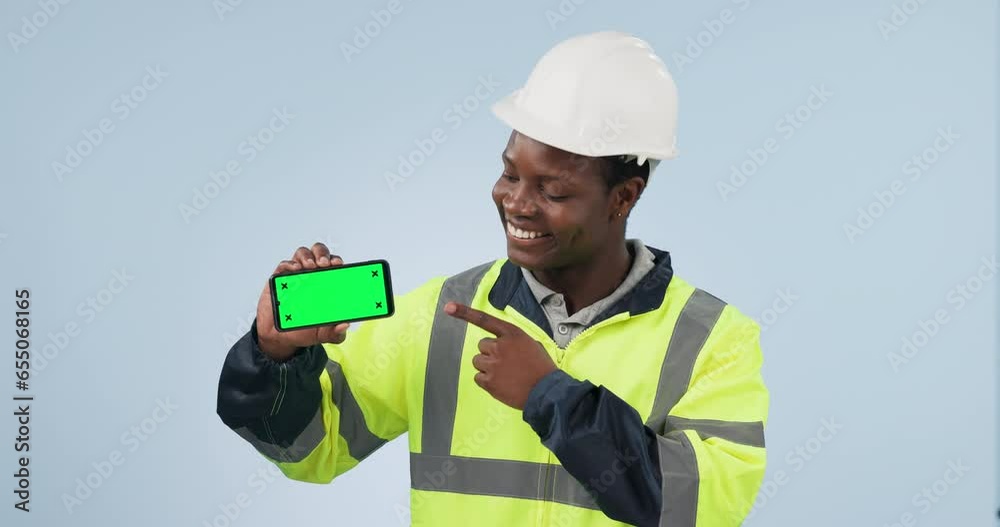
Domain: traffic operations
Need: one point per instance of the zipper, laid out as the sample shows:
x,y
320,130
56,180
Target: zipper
x,y
547,483
548,342
546,498
561,354
588,331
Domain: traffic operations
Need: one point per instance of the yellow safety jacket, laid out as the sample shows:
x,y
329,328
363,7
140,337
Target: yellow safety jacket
x,y
684,366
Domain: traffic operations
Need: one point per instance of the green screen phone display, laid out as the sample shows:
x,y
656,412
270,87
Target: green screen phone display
x,y
317,297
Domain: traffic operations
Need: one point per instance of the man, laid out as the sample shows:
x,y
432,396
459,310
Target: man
x,y
576,382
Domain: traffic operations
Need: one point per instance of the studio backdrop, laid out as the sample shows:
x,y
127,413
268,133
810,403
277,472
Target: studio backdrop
x,y
836,181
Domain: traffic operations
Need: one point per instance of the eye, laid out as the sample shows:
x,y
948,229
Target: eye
x,y
551,197
508,177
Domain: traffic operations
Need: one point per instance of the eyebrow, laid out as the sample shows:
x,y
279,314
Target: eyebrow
x,y
545,177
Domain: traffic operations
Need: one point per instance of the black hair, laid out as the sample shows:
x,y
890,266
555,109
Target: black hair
x,y
618,170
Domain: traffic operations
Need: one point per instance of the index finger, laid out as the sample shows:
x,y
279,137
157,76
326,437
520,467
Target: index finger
x,y
478,318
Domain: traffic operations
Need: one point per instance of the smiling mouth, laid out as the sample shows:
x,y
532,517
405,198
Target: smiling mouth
x,y
522,235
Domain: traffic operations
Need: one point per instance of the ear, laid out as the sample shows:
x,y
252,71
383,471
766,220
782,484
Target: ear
x,y
629,190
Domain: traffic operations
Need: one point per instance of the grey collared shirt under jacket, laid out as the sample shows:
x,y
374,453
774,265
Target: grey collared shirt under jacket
x,y
564,327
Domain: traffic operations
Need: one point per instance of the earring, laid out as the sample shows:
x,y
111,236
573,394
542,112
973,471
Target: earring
x,y
619,214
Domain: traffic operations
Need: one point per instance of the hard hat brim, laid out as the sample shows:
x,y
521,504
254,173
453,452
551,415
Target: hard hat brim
x,y
510,113
507,110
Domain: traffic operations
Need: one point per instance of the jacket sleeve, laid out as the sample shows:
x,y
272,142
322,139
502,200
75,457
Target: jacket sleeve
x,y
702,467
320,413
592,431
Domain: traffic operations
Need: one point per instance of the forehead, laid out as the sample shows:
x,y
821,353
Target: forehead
x,y
531,156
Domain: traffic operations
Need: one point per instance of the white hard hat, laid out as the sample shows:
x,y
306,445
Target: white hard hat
x,y
598,94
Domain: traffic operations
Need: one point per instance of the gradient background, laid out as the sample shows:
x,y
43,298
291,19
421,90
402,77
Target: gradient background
x,y
196,280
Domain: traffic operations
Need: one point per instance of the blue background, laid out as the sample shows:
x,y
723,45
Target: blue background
x,y
193,279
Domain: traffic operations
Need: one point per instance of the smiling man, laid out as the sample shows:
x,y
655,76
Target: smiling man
x,y
576,382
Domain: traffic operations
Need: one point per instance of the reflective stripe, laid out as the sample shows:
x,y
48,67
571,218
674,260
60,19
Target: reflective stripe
x,y
361,442
679,467
308,440
496,477
566,489
678,464
444,360
693,326
742,432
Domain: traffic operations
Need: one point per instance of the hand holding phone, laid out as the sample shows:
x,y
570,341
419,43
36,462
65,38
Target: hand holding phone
x,y
281,345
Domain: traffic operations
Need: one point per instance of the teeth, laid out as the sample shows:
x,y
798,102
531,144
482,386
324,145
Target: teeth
x,y
518,233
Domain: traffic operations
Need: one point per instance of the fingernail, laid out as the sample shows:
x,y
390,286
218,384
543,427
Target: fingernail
x,y
449,308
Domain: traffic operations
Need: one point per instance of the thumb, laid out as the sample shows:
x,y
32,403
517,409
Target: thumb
x,y
334,334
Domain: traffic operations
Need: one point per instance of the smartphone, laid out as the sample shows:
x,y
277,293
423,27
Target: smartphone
x,y
318,297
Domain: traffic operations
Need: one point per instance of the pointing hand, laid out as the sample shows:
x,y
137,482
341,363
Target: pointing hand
x,y
509,365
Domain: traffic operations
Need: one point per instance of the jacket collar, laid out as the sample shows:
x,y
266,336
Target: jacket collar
x,y
510,289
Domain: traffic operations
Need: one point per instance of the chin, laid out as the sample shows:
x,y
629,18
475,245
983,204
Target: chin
x,y
531,262
518,258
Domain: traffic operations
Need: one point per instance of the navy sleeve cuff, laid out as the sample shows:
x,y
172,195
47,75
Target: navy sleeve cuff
x,y
554,391
302,358
252,386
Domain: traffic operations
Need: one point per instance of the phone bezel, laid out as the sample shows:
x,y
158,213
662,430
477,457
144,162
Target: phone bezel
x,y
386,280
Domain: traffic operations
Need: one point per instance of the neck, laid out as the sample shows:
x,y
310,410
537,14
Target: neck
x,y
587,282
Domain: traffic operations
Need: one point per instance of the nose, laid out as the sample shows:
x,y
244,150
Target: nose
x,y
518,202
